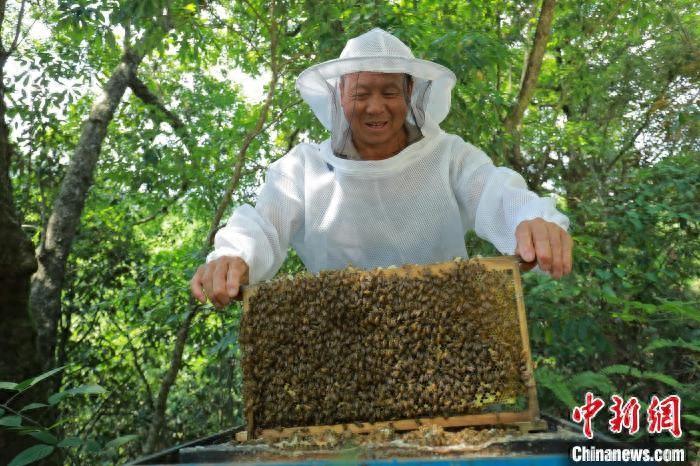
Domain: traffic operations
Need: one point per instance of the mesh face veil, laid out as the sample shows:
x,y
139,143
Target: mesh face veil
x,y
380,52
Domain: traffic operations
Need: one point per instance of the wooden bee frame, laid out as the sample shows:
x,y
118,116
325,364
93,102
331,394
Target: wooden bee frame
x,y
527,419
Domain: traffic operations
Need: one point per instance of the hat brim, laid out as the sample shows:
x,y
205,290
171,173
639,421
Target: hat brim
x,y
316,83
416,67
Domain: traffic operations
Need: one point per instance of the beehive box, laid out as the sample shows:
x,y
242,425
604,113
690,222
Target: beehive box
x,y
443,344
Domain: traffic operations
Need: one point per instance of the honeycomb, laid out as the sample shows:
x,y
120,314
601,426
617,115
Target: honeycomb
x,y
388,344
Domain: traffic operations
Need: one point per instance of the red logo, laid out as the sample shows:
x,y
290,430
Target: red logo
x,y
624,415
665,415
587,412
662,415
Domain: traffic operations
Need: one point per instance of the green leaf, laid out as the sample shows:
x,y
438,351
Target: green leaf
x,y
69,442
31,406
31,454
57,397
665,343
11,421
92,445
590,380
608,292
88,389
555,383
35,380
622,369
689,309
663,378
692,418
44,436
8,386
111,41
119,441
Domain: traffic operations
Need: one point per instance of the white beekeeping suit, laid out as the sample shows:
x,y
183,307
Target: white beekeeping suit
x,y
413,207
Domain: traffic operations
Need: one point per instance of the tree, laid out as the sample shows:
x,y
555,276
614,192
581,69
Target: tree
x,y
17,262
63,222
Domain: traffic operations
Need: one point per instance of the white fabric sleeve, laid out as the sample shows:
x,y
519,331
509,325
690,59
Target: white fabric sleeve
x,y
260,236
494,200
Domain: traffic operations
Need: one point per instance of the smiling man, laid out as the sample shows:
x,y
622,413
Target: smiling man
x,y
376,106
389,187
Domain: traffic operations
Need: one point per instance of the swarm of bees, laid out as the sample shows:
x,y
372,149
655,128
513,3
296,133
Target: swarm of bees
x,y
363,346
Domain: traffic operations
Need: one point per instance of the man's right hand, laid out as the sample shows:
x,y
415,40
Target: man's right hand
x,y
219,280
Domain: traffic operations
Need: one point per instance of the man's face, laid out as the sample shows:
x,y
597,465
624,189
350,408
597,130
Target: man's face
x,y
375,106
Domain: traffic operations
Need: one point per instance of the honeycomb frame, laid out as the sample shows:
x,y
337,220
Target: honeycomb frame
x,y
527,419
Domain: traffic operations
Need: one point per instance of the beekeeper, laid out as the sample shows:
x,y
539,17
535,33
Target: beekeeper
x,y
388,188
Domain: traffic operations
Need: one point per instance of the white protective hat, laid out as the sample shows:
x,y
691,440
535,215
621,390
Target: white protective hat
x,y
378,51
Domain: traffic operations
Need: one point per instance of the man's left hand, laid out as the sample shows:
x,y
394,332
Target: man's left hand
x,y
546,242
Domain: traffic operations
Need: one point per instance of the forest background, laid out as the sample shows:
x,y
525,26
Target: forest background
x,y
129,130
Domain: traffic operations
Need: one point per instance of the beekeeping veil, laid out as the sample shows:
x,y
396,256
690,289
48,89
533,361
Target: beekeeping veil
x,y
377,51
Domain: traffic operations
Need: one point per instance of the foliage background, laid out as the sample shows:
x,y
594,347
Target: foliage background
x,y
611,130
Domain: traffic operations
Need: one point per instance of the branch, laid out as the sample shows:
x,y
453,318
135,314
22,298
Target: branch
x,y
258,15
137,365
147,97
17,413
250,136
256,167
246,37
276,119
164,209
294,32
531,71
292,139
645,122
141,91
97,414
18,28
534,65
169,380
2,21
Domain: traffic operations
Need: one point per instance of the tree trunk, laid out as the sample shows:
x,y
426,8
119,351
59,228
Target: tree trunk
x,y
17,264
531,73
52,254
